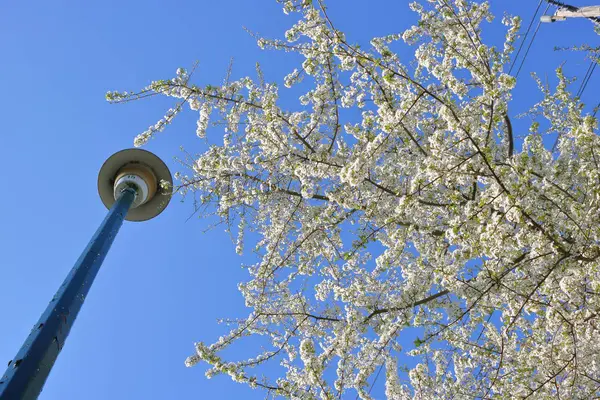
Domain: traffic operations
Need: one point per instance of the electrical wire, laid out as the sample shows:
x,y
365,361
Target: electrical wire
x,y
585,77
585,82
525,37
375,380
530,43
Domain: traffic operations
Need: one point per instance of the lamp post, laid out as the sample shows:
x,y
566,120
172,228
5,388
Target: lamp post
x,y
129,186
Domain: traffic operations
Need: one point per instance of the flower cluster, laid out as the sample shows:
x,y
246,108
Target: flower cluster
x,y
393,198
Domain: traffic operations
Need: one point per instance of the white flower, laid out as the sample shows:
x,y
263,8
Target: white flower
x,y
397,218
202,123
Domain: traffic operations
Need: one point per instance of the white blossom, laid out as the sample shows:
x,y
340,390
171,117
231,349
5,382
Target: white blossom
x,y
393,199
202,123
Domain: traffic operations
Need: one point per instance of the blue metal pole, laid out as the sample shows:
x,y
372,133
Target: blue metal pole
x,y
26,374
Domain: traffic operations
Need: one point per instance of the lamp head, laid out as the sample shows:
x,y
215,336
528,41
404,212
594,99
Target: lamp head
x,y
141,170
551,18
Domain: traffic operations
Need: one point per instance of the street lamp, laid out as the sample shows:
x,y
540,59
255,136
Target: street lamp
x,y
129,184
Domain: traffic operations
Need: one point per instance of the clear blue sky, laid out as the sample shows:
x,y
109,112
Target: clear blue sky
x,y
165,282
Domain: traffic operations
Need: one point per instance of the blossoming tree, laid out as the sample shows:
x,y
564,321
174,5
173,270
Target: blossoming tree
x,y
393,198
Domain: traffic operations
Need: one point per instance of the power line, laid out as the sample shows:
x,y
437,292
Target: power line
x,y
586,78
530,43
525,37
584,83
375,380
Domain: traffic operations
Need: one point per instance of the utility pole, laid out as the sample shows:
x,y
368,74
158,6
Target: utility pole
x,y
568,11
129,186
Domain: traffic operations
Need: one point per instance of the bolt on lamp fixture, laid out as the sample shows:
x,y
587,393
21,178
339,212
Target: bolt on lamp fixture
x,y
129,186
